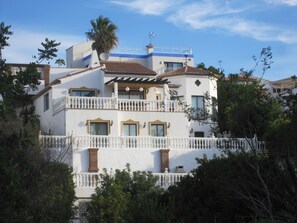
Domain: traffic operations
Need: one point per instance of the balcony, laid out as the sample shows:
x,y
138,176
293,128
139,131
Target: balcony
x,y
148,142
93,180
111,103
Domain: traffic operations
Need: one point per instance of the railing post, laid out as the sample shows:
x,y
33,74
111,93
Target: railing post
x,y
66,100
40,138
166,179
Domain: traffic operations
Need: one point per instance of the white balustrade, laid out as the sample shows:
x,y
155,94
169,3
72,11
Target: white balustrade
x,y
168,179
48,141
92,180
150,106
148,142
87,180
90,102
101,103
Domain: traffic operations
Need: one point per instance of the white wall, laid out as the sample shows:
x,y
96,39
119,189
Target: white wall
x,y
90,79
58,72
157,62
76,53
141,159
45,117
76,120
177,120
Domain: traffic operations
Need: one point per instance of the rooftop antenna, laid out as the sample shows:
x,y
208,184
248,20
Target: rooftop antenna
x,y
186,59
152,35
186,55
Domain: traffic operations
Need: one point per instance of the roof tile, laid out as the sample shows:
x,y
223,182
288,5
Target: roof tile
x,y
120,67
186,70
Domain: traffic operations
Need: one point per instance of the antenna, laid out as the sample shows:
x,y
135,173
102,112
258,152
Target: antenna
x,y
186,59
104,56
152,36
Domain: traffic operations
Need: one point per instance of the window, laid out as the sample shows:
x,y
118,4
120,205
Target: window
x,y
198,111
99,127
131,94
130,129
198,134
46,102
170,66
157,130
83,92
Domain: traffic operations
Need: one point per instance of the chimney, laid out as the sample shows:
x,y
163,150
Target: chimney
x,y
150,48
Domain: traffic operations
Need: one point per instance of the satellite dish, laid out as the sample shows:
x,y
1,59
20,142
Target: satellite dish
x,y
104,56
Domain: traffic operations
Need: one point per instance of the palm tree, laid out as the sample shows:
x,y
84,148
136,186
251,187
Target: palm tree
x,y
103,33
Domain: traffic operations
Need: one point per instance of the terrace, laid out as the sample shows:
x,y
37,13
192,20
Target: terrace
x,y
149,142
86,182
112,103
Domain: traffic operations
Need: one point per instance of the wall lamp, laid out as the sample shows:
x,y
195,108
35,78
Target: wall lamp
x,y
168,125
111,122
144,124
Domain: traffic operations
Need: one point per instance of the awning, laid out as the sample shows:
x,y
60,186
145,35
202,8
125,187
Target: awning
x,y
137,82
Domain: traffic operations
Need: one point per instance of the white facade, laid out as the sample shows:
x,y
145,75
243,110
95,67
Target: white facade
x,y
129,115
155,58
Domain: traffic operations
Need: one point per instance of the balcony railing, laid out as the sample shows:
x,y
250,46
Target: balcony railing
x,y
93,180
148,142
144,105
90,102
111,103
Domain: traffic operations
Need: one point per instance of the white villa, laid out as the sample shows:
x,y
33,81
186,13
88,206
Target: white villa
x,y
127,108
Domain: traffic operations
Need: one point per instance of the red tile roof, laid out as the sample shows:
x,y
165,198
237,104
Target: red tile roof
x,y
186,70
120,67
241,77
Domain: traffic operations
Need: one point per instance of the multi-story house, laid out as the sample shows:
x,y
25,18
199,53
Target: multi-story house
x,y
128,108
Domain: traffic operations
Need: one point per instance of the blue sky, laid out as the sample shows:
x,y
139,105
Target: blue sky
x,y
230,31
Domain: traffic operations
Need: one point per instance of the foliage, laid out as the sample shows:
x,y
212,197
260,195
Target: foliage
x,y
232,189
60,62
126,197
49,50
245,107
103,33
32,189
16,85
4,36
281,135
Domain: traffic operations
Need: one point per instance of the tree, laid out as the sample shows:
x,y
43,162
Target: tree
x,y
48,52
103,33
4,36
226,189
32,188
245,107
60,62
126,197
15,85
